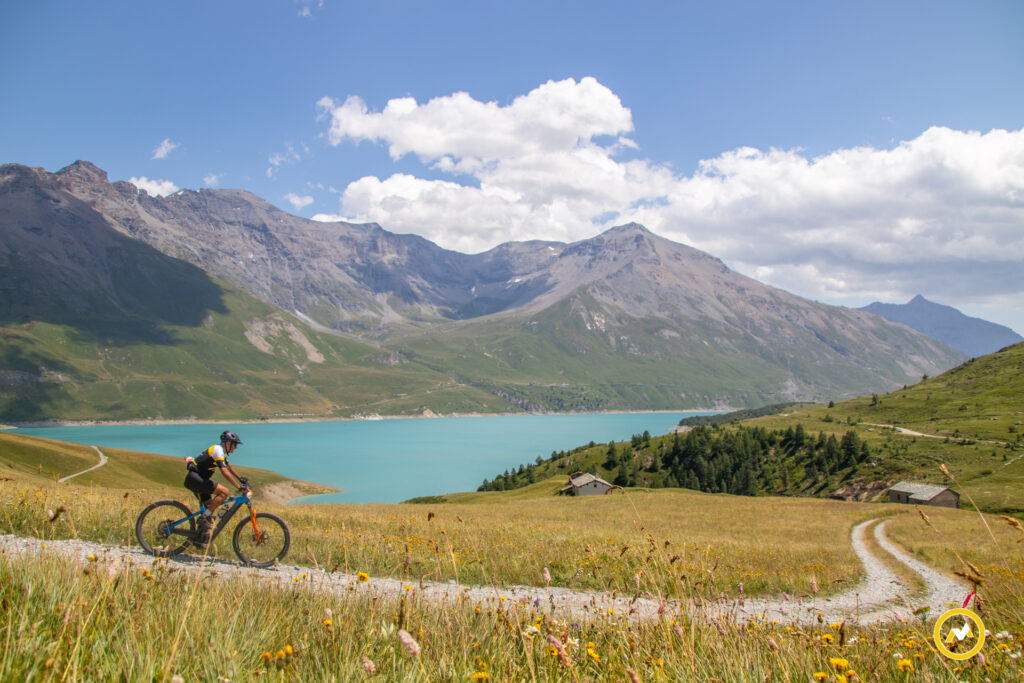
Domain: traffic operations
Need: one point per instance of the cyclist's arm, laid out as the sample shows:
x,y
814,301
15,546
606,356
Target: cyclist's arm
x,y
229,473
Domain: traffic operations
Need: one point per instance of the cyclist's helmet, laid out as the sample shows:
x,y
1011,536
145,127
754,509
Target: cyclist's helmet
x,y
230,436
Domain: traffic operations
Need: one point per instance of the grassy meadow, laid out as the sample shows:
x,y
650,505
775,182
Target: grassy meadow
x,y
100,621
969,419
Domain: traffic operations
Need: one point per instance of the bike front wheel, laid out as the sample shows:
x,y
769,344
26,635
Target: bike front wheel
x,y
261,540
155,532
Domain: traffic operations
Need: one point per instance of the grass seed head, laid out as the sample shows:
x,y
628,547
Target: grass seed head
x,y
409,643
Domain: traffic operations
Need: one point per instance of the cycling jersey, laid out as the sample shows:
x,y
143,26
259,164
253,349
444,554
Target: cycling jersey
x,y
212,457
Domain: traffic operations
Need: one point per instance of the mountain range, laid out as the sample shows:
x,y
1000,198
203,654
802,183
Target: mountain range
x,y
624,320
973,336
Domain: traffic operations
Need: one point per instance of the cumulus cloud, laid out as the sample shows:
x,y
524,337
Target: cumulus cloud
x,y
164,148
940,214
157,188
297,201
212,179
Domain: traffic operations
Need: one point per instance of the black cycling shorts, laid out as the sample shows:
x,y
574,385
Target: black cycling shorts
x,y
203,488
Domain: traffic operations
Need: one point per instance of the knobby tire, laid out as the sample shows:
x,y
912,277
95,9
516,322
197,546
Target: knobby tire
x,y
266,549
149,528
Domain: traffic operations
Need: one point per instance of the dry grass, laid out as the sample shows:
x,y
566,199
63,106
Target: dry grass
x,y
60,620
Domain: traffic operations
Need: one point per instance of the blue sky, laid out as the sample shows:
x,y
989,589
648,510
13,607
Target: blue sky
x,y
845,151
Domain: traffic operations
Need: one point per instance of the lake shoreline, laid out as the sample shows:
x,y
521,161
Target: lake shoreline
x,y
378,460
158,422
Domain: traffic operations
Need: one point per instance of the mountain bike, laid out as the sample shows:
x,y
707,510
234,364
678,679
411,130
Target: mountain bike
x,y
261,539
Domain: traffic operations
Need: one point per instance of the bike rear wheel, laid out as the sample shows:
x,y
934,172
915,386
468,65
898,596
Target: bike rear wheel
x,y
152,528
265,543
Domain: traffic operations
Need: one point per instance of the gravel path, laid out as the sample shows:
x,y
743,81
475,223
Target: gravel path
x,y
880,597
103,461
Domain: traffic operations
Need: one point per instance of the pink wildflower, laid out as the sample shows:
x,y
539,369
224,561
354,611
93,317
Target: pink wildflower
x,y
547,576
369,665
564,658
409,643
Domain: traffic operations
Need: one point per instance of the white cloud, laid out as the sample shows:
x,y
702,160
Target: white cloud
x,y
157,188
307,6
164,148
297,201
941,214
289,156
212,179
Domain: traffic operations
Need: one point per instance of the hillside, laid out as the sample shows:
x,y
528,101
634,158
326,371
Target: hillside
x,y
29,460
634,320
216,304
97,325
973,336
969,418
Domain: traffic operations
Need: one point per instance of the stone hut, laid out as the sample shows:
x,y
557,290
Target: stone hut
x,y
584,484
923,494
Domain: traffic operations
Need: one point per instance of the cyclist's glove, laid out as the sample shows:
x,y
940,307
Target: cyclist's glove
x,y
245,483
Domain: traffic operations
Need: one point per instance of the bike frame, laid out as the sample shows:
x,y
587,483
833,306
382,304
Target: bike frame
x,y
244,498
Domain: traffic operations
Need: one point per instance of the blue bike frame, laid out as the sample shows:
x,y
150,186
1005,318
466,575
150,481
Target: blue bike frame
x,y
225,515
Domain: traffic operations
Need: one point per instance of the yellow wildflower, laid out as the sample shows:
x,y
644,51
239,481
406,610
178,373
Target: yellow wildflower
x,y
363,577
839,663
820,675
905,665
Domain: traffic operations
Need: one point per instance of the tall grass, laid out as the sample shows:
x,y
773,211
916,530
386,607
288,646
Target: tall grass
x,y
699,544
103,620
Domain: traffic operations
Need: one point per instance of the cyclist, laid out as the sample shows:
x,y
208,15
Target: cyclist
x,y
199,480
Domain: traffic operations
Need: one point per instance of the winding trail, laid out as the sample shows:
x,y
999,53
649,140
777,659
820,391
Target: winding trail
x,y
103,461
880,597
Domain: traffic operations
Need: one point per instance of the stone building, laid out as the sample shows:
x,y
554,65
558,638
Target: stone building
x,y
583,484
923,494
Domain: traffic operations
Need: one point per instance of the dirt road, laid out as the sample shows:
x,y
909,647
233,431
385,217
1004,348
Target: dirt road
x,y
103,461
880,597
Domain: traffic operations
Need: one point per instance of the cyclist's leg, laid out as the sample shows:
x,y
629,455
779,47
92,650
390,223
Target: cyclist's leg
x,y
217,497
205,490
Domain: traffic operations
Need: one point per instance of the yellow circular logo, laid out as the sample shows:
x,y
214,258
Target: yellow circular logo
x,y
960,633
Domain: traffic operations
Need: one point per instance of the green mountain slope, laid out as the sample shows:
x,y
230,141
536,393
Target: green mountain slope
x,y
248,361
29,460
104,287
97,325
969,419
594,351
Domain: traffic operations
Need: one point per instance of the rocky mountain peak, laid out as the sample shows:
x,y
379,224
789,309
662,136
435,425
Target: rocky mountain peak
x,y
83,172
621,310
973,336
628,229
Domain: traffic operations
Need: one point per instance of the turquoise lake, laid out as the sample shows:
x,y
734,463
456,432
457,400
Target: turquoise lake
x,y
383,461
